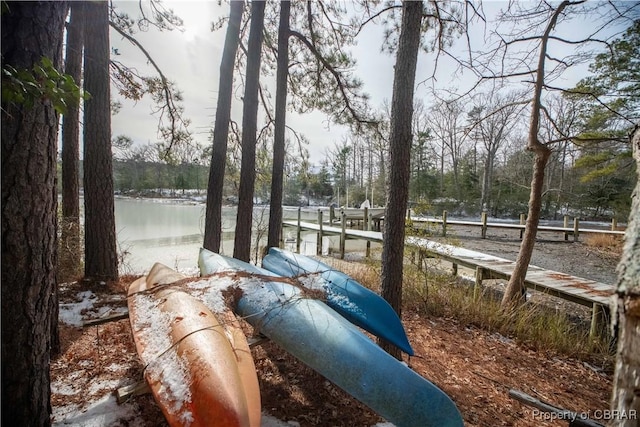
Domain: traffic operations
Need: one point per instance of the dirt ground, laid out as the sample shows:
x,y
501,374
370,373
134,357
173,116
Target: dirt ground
x,y
476,368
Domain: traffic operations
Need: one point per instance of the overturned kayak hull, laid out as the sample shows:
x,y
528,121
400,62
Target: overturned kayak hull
x,y
198,366
325,341
358,304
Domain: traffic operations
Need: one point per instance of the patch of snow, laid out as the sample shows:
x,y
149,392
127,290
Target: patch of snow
x,y
163,364
70,313
210,290
313,281
98,386
114,367
103,412
64,388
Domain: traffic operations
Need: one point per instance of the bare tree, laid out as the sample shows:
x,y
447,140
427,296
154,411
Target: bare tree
x,y
447,124
547,68
493,117
566,119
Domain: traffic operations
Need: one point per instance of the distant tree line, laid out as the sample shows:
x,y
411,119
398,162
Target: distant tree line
x,y
454,166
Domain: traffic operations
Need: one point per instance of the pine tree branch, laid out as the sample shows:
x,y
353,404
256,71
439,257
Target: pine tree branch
x,y
337,76
170,106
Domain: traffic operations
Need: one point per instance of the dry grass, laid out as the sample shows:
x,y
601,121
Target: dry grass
x,y
607,245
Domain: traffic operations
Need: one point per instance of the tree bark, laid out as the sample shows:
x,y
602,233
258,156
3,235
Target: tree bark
x,y
244,218
400,159
69,265
277,175
213,221
30,31
515,292
101,261
626,381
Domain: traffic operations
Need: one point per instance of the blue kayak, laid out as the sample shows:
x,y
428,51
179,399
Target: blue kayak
x,y
325,341
358,304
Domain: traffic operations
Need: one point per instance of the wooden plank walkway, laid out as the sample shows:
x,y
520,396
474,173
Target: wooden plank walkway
x,y
582,291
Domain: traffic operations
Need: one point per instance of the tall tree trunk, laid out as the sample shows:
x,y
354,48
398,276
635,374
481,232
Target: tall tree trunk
x,y
487,182
70,225
626,381
400,159
515,292
30,31
277,175
101,261
213,222
242,243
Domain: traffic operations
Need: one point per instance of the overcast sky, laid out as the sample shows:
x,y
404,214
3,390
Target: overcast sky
x,y
192,59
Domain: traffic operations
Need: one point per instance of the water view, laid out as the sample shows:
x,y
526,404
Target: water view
x,y
172,232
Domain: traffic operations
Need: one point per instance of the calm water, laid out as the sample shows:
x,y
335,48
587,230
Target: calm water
x,y
150,231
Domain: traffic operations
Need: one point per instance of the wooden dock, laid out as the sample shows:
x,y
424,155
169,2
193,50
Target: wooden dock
x,y
582,291
373,219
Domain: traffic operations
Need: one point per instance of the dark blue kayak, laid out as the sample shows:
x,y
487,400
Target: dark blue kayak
x,y
358,304
325,341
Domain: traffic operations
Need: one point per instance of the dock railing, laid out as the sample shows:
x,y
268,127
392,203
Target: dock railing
x,y
373,219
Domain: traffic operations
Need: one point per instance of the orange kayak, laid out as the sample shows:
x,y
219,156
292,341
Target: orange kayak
x,y
197,363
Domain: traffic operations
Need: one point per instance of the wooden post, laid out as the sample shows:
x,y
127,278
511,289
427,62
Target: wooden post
x,y
484,225
343,236
523,221
298,230
454,269
565,224
368,253
409,213
319,242
597,321
332,214
576,229
444,223
365,218
614,224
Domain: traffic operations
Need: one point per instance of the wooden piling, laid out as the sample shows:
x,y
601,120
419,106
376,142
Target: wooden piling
x,y
444,223
484,225
319,238
343,235
298,233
